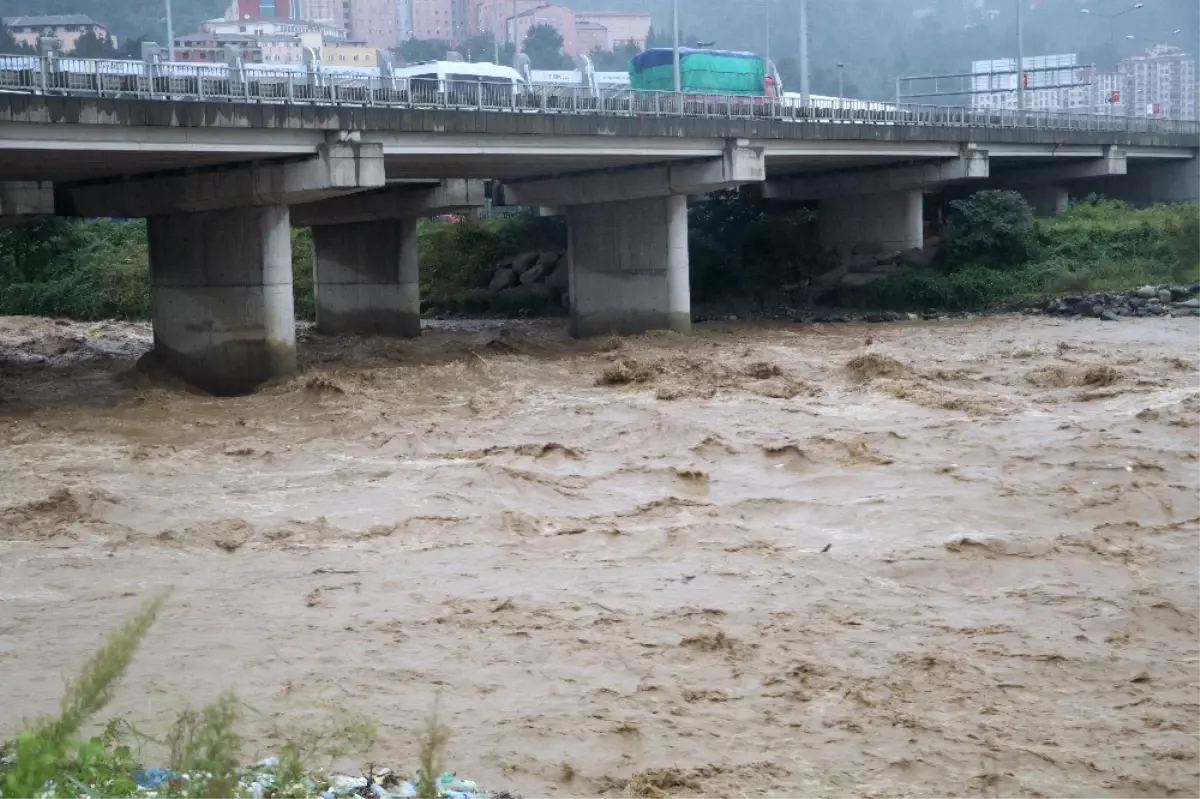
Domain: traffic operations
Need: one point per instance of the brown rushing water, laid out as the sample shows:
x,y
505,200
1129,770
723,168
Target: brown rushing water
x,y
968,570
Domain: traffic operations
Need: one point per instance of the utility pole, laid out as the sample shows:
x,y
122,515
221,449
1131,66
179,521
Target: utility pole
x,y
675,37
804,53
1020,55
170,34
767,6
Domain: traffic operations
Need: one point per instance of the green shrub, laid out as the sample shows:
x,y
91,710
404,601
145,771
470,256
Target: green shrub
x,y
93,269
742,245
459,256
990,228
303,291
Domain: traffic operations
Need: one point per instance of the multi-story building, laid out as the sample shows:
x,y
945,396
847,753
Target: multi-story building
x,y
376,22
495,16
1048,79
1161,83
327,11
561,18
66,28
274,27
622,29
216,48
433,19
283,49
349,54
265,9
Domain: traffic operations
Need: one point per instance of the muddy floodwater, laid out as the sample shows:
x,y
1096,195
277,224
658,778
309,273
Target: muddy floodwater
x,y
945,558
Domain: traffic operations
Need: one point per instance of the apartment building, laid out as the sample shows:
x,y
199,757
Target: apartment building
x,y
265,9
66,28
434,19
1161,83
377,22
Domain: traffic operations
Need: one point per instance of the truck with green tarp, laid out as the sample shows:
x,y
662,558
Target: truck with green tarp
x,y
725,72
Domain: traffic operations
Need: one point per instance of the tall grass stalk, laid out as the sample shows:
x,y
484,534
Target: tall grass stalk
x,y
41,747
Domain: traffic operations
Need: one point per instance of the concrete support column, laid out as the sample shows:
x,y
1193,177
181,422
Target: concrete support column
x,y
221,296
629,266
873,223
1047,200
367,278
1173,181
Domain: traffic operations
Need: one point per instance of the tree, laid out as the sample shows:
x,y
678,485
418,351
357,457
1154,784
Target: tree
x,y
415,51
132,49
9,44
613,60
543,44
655,39
89,45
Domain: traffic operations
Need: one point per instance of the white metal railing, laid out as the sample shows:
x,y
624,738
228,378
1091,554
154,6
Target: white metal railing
x,y
256,84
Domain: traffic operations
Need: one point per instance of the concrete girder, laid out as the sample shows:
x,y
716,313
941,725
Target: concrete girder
x,y
740,163
1111,163
340,167
391,203
971,164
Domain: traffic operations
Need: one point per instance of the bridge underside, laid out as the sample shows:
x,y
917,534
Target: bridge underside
x,y
221,186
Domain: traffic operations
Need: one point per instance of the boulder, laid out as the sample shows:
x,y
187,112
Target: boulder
x,y
537,273
832,277
544,292
1192,303
525,260
503,278
517,294
917,257
1146,292
856,280
547,258
862,262
1164,295
1180,292
560,278
1110,316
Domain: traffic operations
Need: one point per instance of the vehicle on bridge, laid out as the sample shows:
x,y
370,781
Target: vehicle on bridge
x,y
705,72
461,82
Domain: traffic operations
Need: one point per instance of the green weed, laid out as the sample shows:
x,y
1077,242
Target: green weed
x,y
49,749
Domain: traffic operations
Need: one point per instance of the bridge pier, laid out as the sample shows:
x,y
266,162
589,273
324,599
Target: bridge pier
x,y
627,233
873,223
367,273
366,278
1049,200
1168,181
221,296
629,266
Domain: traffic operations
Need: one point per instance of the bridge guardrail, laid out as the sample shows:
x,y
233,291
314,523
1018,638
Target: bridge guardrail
x,y
251,83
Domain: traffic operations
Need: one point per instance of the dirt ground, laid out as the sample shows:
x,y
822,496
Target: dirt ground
x,y
945,558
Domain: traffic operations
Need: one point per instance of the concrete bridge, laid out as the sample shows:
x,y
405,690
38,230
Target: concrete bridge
x,y
220,182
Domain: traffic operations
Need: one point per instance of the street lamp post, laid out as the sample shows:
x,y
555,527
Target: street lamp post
x,y
170,34
804,53
1020,56
1112,20
841,68
675,49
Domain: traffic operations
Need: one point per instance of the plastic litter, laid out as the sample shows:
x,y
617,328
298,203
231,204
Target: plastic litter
x,y
260,781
